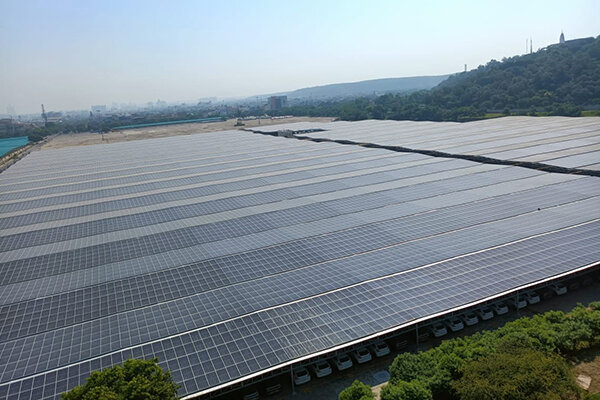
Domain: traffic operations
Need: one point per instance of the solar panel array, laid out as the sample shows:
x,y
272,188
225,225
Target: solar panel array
x,y
559,141
228,254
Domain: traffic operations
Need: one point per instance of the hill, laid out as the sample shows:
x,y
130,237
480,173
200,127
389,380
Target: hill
x,y
567,73
367,88
560,79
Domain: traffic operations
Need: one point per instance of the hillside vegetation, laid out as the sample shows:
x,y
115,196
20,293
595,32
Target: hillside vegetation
x,y
558,80
560,74
367,88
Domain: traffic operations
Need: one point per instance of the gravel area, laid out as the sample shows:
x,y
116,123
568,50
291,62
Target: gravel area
x,y
88,138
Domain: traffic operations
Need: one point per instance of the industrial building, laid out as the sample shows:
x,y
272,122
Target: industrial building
x,y
277,102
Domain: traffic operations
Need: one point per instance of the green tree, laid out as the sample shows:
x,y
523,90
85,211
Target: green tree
x,y
357,391
414,390
408,367
134,380
523,374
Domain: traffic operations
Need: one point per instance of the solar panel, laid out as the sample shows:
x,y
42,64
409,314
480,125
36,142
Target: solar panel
x,y
230,253
532,139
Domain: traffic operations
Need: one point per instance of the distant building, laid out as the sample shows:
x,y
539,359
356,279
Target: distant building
x,y
561,40
98,110
277,102
53,117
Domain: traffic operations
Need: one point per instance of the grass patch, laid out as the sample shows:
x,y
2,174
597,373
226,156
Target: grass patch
x,y
590,113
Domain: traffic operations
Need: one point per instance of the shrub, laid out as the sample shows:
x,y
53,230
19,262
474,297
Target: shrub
x,y
357,391
517,375
406,391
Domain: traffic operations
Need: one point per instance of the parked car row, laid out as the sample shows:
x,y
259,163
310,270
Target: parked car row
x,y
323,368
341,362
486,312
458,322
437,329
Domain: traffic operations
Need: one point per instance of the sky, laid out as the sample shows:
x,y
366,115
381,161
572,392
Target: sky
x,y
70,55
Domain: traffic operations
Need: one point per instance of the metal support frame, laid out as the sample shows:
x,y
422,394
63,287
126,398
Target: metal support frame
x,y
417,332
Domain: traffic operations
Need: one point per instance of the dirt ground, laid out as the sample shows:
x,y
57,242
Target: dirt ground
x,y
589,364
87,138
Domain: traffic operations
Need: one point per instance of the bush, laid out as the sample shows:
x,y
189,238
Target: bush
x,y
406,391
357,391
408,367
517,375
135,380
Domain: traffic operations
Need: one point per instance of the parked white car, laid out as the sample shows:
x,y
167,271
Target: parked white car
x,y
455,324
361,355
251,396
301,376
532,297
500,308
517,303
558,288
438,330
321,369
380,349
342,362
469,319
485,313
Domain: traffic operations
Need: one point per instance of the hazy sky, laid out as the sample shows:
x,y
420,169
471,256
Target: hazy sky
x,y
72,54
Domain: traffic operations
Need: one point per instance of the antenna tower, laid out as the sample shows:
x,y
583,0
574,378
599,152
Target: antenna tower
x,y
530,45
44,116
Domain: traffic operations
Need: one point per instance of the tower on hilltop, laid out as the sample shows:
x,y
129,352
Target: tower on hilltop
x,y
561,40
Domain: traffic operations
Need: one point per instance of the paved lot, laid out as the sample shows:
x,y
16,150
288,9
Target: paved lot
x,y
375,372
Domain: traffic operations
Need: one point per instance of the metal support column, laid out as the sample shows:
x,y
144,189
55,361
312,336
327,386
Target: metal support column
x,y
417,331
292,378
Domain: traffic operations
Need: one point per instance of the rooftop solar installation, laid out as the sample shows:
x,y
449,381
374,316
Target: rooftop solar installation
x,y
559,141
230,254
